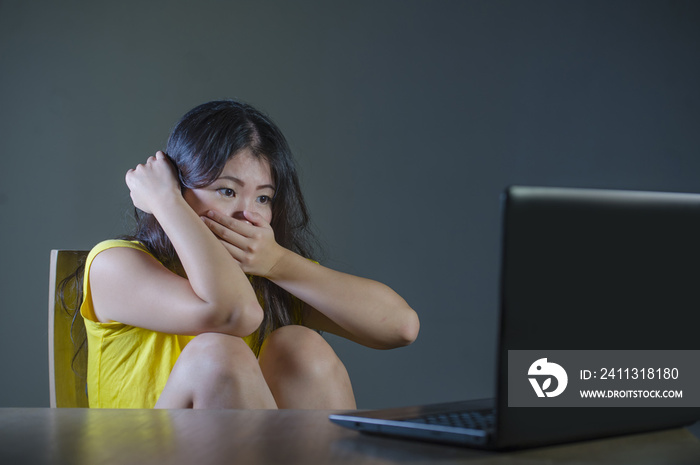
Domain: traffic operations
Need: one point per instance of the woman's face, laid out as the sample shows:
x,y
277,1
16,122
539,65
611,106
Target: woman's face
x,y
245,184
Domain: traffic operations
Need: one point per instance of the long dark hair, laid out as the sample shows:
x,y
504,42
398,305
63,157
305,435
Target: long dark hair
x,y
70,294
199,146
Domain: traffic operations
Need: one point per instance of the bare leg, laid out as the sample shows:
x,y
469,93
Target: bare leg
x,y
303,372
216,371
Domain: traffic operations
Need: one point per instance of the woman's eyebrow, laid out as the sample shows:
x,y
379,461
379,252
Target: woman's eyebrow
x,y
242,184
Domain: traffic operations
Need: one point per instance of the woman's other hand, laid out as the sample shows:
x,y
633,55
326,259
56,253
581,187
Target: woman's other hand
x,y
249,239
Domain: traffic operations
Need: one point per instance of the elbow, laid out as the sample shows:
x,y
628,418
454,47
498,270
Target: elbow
x,y
240,320
249,320
404,333
409,328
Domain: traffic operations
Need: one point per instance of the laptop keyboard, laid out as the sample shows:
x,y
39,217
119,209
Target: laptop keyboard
x,y
474,419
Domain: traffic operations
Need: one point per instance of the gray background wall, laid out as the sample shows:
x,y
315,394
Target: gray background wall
x,y
408,118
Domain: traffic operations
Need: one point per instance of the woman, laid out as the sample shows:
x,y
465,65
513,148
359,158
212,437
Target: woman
x,y
214,302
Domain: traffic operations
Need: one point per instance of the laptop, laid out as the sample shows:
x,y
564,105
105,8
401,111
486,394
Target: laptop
x,y
593,283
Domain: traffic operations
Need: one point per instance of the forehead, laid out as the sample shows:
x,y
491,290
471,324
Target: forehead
x,y
246,166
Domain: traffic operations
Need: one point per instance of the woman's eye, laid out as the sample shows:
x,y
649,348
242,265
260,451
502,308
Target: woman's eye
x,y
226,192
263,199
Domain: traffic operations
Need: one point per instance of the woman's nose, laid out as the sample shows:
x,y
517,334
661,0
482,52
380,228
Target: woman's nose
x,y
239,209
238,214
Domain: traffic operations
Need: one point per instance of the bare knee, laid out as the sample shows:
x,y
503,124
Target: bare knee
x,y
217,370
218,354
303,371
300,350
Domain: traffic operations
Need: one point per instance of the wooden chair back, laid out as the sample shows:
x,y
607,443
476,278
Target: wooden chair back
x,y
67,372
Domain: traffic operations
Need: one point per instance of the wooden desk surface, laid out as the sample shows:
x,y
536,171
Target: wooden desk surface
x,y
82,436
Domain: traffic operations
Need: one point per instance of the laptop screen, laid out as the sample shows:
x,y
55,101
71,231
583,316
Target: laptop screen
x,y
586,270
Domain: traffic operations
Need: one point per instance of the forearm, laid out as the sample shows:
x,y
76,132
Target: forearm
x,y
365,311
212,273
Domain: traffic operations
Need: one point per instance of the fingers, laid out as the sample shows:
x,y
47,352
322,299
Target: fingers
x,y
225,232
234,251
246,237
254,218
252,245
245,227
150,160
237,245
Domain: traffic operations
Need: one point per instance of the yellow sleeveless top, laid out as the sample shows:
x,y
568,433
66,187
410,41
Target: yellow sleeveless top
x,y
128,366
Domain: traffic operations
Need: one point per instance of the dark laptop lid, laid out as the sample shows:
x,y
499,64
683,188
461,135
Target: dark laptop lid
x,y
587,269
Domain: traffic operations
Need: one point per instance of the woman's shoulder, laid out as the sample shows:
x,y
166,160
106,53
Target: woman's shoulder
x,y
114,243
